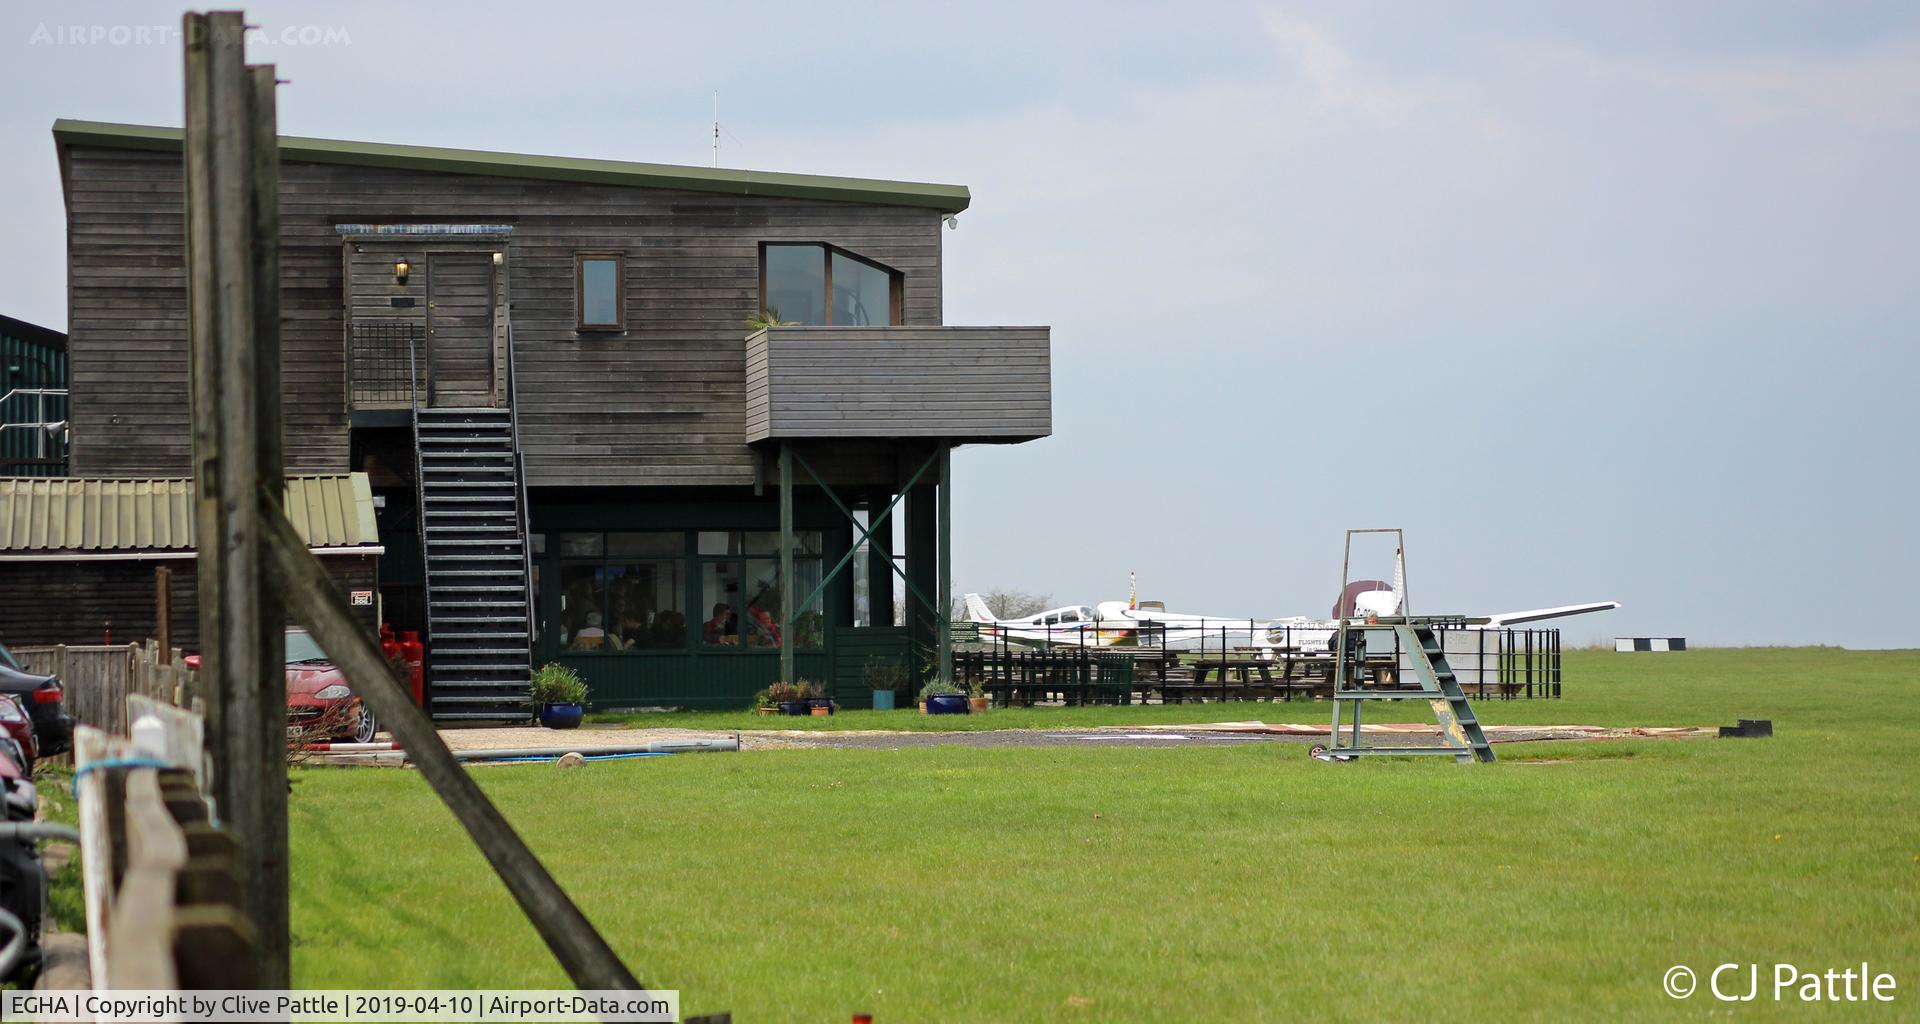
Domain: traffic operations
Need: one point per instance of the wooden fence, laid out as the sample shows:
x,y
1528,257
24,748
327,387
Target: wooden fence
x,y
98,679
162,889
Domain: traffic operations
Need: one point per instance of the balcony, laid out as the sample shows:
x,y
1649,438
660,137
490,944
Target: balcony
x,y
975,385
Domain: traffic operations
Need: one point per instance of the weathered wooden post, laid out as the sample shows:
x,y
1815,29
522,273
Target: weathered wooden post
x,y
233,280
163,607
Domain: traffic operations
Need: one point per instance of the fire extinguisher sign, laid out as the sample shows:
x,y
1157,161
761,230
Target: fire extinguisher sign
x,y
361,598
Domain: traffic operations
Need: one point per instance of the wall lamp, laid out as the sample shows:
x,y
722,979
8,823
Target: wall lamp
x,y
401,268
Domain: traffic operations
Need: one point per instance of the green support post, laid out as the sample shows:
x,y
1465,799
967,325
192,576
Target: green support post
x,y
946,560
787,611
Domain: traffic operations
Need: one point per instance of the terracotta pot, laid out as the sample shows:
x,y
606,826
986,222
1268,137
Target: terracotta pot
x,y
977,705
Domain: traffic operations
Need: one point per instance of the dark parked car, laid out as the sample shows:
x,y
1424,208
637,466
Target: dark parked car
x,y
45,701
23,883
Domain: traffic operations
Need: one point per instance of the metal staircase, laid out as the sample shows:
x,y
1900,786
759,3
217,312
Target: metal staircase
x,y
474,539
1362,649
1450,708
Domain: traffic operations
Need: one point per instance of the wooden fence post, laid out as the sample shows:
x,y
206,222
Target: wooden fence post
x,y
232,202
163,607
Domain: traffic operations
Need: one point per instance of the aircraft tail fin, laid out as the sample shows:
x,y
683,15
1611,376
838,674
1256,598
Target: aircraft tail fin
x,y
978,611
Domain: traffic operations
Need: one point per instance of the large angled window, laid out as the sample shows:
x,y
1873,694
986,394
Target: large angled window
x,y
816,285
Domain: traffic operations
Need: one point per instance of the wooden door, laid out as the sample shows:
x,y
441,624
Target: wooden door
x,y
460,369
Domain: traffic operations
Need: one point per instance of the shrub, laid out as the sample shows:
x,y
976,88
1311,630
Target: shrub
x,y
885,673
940,688
555,683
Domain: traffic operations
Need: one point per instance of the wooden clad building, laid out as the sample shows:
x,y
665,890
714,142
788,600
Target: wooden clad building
x,y
546,368
78,555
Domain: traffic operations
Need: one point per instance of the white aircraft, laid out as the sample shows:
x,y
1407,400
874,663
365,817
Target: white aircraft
x,y
1148,624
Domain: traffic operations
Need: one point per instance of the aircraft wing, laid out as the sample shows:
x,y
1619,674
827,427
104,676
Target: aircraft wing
x,y
1537,614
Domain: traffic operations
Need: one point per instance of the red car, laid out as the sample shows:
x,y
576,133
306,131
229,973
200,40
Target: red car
x,y
16,726
318,698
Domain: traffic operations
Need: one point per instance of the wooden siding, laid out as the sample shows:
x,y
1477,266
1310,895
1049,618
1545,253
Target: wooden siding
x,y
979,384
86,602
659,403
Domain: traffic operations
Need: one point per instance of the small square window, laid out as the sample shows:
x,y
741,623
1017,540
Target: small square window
x,y
600,291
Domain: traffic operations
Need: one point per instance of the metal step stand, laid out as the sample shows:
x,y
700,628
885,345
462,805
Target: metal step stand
x,y
1415,645
479,624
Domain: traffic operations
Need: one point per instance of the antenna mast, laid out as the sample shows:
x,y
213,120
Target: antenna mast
x,y
716,128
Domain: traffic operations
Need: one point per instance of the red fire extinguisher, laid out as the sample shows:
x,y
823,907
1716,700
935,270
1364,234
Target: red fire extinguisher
x,y
414,654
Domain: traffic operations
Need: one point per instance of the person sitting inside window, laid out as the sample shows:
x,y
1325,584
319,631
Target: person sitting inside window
x,y
762,631
633,628
590,636
719,629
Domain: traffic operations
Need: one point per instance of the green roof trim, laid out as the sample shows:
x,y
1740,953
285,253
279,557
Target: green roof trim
x,y
944,198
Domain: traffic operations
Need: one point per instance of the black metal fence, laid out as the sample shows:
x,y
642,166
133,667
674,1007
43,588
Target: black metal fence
x,y
1230,661
1069,675
385,363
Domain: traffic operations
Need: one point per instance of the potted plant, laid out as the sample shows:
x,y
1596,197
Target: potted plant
x,y
763,703
787,697
560,696
941,697
884,676
818,702
976,698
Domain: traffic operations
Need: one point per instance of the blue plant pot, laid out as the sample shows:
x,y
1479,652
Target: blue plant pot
x,y
562,716
795,707
947,704
883,700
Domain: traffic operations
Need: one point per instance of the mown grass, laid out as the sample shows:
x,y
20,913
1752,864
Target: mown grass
x,y
1243,883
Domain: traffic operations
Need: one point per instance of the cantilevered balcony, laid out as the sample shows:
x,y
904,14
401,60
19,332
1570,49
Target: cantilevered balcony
x,y
978,385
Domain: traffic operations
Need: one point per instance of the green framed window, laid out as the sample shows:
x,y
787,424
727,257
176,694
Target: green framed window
x,y
622,591
739,581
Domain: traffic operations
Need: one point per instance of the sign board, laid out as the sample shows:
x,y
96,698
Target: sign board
x,y
964,632
361,598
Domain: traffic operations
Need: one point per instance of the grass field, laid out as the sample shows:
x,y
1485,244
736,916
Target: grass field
x,y
1243,882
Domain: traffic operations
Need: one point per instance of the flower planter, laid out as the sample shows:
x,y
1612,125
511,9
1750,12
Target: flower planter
x,y
883,700
977,705
562,716
795,707
947,704
765,710
821,706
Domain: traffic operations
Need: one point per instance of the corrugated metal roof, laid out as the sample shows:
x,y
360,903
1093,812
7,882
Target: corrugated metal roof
x,y
86,514
944,198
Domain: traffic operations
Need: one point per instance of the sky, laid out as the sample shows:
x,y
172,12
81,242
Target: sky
x,y
1602,301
